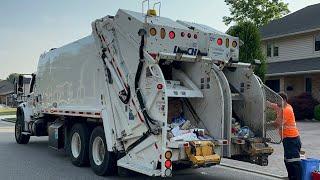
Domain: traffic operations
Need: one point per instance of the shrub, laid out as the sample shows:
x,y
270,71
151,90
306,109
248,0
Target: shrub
x,y
303,106
317,112
271,114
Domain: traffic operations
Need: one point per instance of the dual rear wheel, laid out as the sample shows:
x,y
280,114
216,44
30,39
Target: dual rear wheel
x,y
85,149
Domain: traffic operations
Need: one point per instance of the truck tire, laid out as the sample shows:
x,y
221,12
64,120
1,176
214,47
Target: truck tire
x,y
102,161
19,126
79,145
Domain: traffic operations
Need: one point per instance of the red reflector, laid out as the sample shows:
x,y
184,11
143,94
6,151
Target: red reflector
x,y
172,35
189,35
195,36
153,55
182,34
186,144
168,164
159,86
219,41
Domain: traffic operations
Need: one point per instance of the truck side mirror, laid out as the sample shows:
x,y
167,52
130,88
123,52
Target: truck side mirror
x,y
20,83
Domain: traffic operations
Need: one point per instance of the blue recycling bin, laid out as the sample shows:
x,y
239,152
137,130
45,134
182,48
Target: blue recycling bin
x,y
308,166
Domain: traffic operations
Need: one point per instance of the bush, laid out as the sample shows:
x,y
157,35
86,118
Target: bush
x,y
271,115
317,112
303,106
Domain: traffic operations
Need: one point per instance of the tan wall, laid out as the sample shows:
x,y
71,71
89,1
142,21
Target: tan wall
x,y
2,99
294,47
297,82
316,86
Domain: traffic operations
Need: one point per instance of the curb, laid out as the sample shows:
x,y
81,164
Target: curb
x,y
255,172
9,120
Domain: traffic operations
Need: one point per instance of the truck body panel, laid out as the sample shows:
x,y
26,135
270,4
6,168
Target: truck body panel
x,y
126,76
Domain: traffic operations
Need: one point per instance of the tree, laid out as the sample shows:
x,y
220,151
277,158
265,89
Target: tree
x,y
251,49
259,12
12,77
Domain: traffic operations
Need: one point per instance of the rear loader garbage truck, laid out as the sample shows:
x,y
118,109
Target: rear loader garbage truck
x,y
147,94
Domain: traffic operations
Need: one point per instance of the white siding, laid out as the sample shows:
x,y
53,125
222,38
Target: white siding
x,y
293,47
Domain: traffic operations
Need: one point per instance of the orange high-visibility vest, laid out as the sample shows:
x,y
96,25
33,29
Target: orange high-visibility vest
x,y
289,125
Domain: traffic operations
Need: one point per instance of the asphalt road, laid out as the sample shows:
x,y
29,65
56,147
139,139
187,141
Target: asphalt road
x,y
36,161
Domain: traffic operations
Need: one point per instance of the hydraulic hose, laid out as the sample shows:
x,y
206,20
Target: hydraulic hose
x,y
148,119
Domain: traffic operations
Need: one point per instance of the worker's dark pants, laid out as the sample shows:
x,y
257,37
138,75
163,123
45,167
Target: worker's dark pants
x,y
292,161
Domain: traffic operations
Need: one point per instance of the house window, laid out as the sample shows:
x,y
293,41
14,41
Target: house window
x,y
317,43
274,84
308,85
275,51
268,50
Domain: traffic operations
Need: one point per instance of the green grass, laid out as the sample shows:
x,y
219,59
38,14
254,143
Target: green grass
x,y
7,111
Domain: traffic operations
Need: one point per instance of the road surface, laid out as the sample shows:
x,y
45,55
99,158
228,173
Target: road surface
x,y
36,161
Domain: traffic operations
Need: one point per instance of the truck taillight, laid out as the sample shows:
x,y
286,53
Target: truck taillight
x,y
162,33
172,35
153,55
183,34
168,164
159,86
227,43
153,31
195,36
189,35
219,41
234,44
168,155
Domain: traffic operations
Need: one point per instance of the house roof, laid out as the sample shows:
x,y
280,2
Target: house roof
x,y
303,20
6,87
301,66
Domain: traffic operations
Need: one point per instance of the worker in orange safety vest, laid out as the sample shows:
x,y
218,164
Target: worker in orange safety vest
x,y
290,138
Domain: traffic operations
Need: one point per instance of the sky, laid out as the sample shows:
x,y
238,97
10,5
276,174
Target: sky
x,y
30,27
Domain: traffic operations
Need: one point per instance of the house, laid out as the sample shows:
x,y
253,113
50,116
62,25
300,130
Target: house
x,y
292,46
7,91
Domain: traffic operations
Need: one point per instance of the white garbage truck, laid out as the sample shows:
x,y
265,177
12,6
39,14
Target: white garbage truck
x,y
147,94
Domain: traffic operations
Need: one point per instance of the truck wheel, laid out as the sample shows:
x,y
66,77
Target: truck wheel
x,y
102,161
19,126
79,145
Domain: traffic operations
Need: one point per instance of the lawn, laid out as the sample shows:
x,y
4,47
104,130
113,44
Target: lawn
x,y
7,111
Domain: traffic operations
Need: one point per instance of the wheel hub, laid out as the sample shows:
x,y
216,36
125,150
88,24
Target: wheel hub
x,y
75,145
98,151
